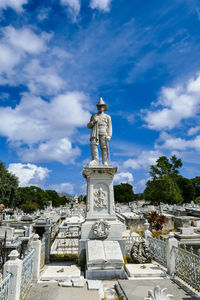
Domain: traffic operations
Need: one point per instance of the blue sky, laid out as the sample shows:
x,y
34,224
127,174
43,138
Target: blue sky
x,y
57,57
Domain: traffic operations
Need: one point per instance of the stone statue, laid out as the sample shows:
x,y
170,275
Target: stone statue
x,y
101,126
140,252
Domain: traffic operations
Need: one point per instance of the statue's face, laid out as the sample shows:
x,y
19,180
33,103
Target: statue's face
x,y
100,108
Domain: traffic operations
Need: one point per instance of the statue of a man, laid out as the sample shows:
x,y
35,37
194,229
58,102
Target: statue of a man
x,y
101,126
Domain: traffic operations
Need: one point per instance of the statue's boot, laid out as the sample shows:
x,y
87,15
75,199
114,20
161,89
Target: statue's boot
x,y
105,156
95,156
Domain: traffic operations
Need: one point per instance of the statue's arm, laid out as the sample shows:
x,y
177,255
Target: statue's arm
x,y
109,131
92,122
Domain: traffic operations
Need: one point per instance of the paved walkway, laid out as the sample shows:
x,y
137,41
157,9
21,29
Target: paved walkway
x,y
138,289
51,291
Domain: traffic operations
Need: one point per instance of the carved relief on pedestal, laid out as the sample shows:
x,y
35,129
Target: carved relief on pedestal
x,y
100,199
101,228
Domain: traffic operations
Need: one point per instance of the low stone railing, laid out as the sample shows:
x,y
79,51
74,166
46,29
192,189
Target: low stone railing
x,y
4,287
187,267
158,250
42,260
27,273
19,274
129,241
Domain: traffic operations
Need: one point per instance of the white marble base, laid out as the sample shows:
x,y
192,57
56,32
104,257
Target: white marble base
x,y
61,273
144,270
82,246
94,284
106,274
116,229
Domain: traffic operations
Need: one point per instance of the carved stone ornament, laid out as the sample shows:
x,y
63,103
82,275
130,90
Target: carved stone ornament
x,y
101,228
100,198
140,252
159,294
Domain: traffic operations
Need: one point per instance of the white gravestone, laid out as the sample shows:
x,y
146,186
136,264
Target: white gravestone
x,y
108,255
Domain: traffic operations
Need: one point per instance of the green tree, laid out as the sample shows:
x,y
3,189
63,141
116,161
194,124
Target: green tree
x,y
187,188
163,185
54,198
124,192
196,182
29,207
32,194
8,187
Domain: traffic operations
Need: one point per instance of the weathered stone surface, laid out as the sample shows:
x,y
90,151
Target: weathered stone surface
x,y
94,284
108,256
66,283
140,252
64,273
79,282
144,270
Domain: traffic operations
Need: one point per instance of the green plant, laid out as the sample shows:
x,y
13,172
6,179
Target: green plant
x,y
156,220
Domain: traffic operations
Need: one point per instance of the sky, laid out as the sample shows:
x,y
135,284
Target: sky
x,y
58,57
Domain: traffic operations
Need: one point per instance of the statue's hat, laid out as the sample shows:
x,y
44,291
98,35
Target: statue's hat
x,y
102,103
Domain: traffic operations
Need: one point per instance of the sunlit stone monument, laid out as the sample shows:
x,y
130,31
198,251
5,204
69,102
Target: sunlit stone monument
x,y
101,222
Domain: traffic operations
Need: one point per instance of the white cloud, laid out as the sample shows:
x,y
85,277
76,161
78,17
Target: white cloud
x,y
74,7
143,161
123,177
17,48
102,5
140,185
174,143
193,130
178,103
42,78
25,39
46,127
53,150
44,13
15,4
65,187
29,174
8,58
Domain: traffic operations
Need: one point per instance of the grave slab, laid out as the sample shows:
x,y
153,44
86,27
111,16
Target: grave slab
x,y
60,272
144,270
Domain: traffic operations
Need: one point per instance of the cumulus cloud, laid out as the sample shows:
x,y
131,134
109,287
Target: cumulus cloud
x,y
123,177
193,130
174,143
25,39
73,6
18,48
15,4
102,5
65,187
143,161
140,185
29,174
40,78
8,58
45,127
177,104
54,150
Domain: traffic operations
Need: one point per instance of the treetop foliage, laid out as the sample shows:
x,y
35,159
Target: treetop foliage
x,y
167,185
123,192
27,198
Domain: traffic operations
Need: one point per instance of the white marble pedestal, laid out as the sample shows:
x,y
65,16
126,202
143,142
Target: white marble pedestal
x,y
101,222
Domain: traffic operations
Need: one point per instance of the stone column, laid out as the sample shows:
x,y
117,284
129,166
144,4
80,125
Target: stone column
x,y
36,244
14,266
47,235
171,254
147,232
